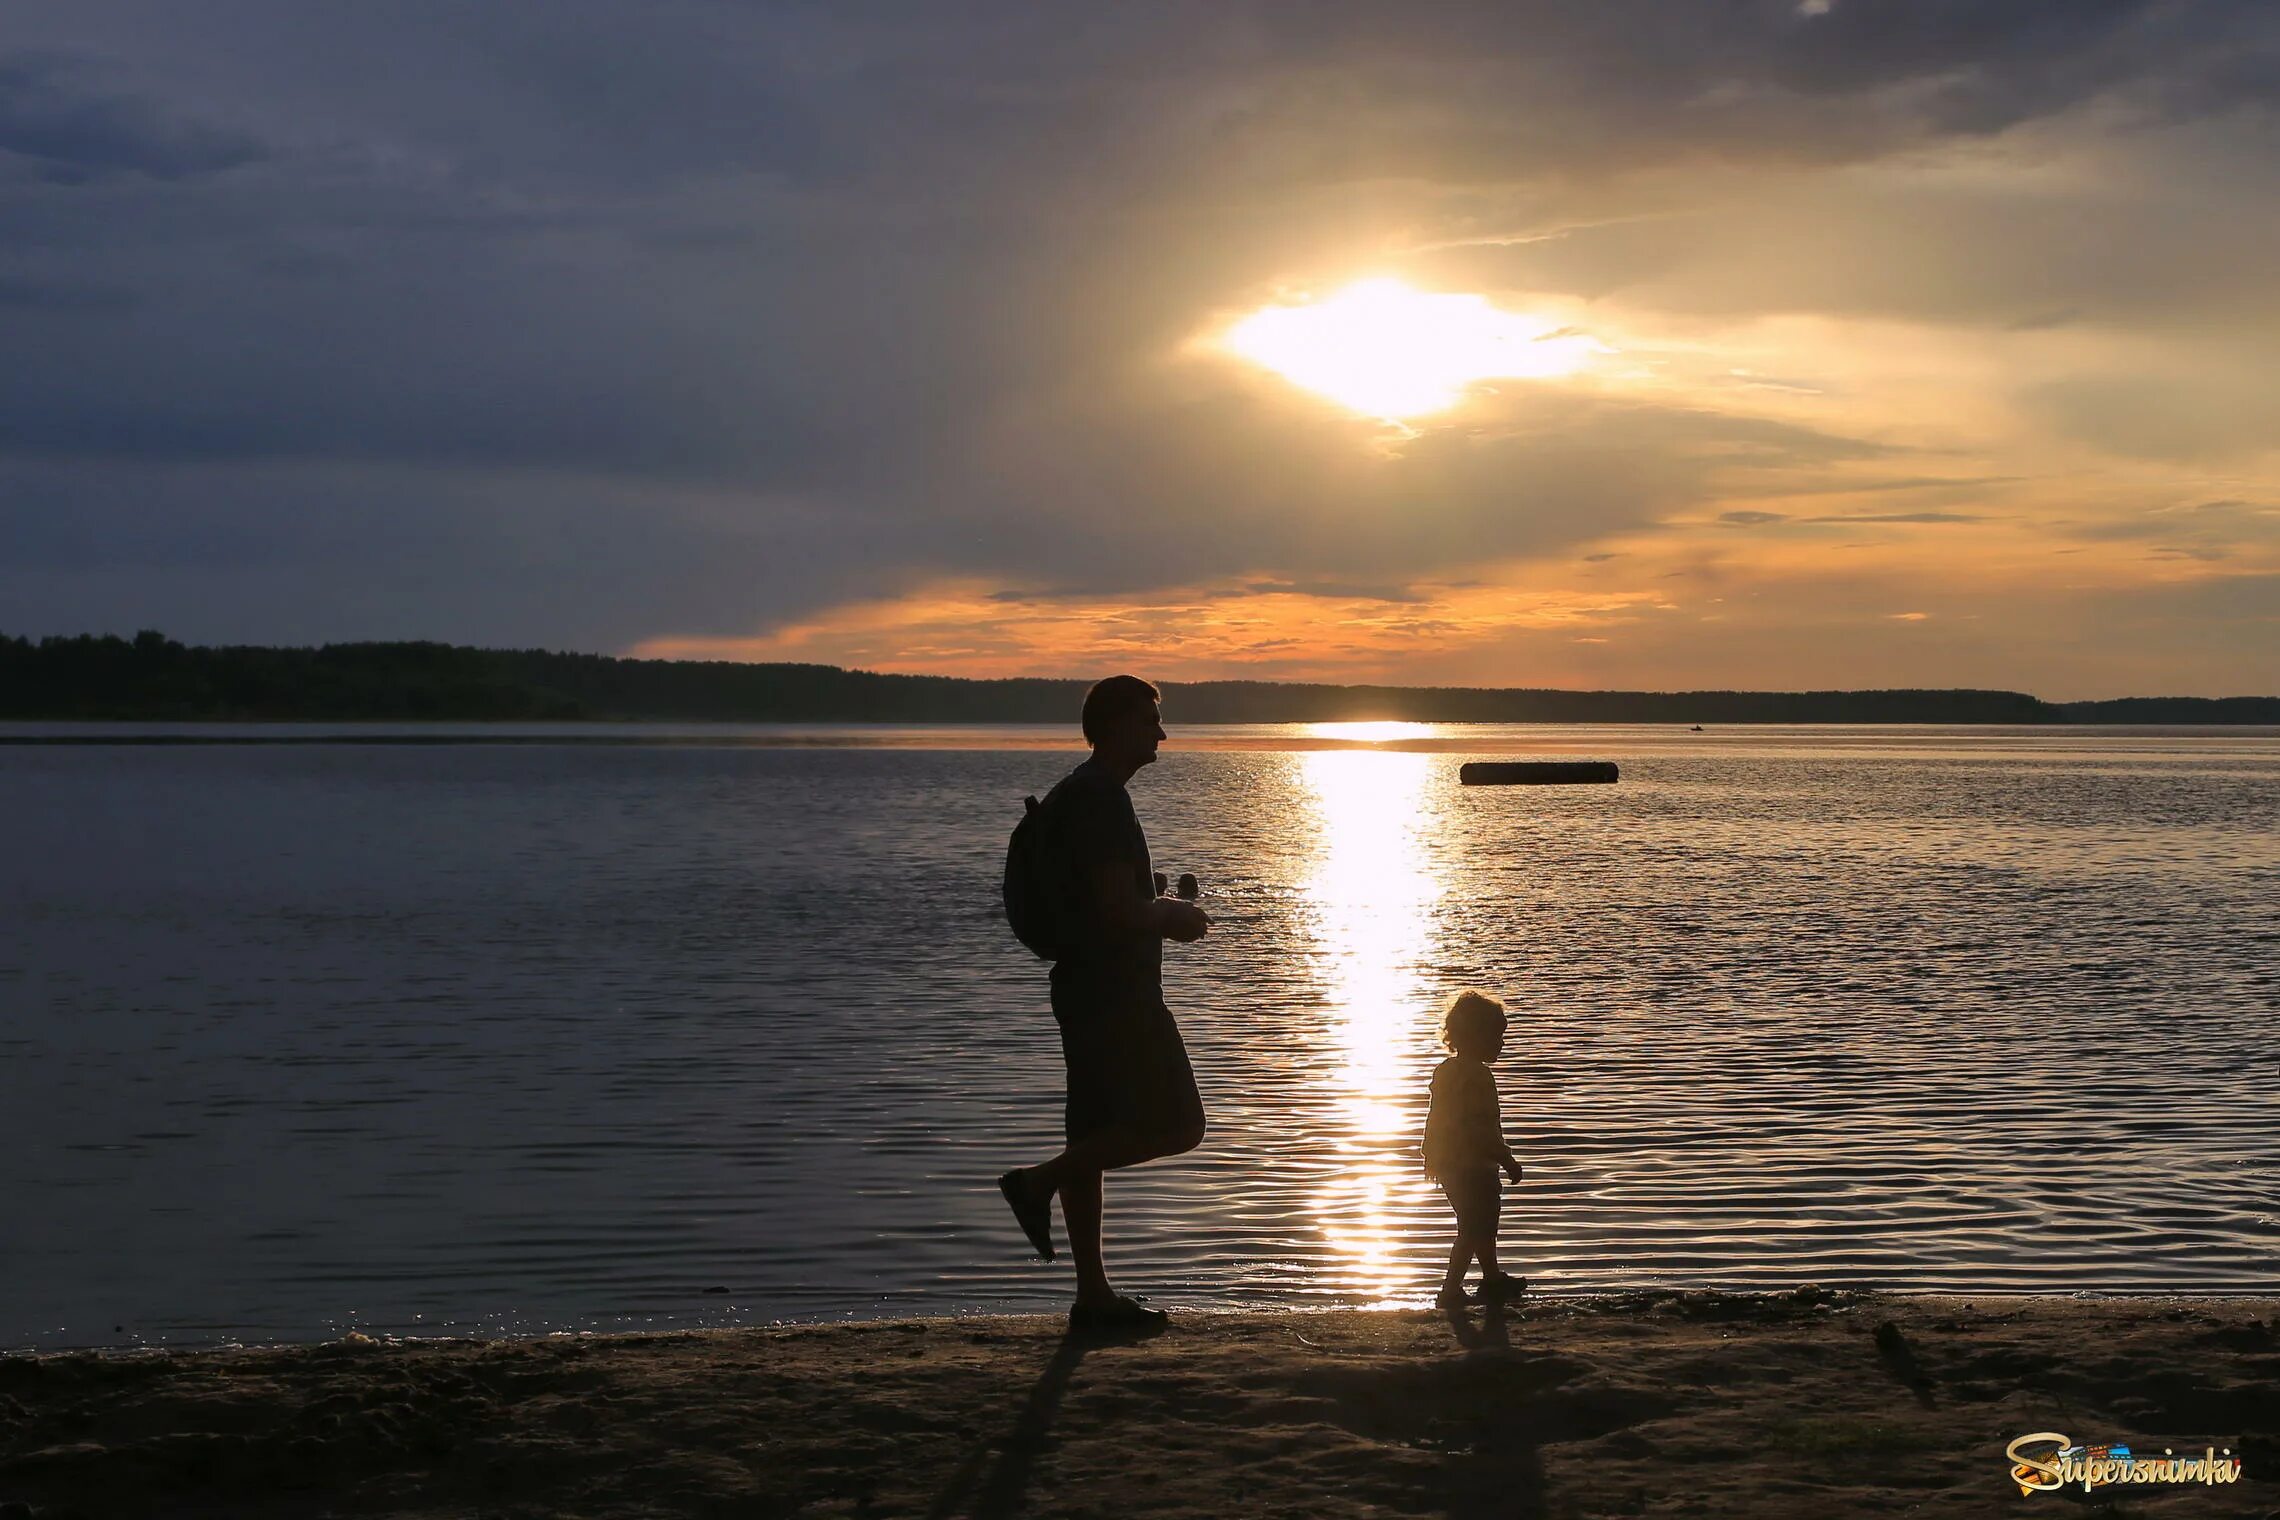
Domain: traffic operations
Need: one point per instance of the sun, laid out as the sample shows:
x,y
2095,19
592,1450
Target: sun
x,y
1388,350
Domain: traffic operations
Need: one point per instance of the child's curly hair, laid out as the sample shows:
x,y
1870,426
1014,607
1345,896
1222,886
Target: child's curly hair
x,y
1473,1020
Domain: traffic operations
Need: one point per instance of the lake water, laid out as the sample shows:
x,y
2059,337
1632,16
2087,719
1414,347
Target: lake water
x,y
480,1037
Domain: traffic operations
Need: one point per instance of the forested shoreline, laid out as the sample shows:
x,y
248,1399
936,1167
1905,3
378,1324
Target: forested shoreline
x,y
153,678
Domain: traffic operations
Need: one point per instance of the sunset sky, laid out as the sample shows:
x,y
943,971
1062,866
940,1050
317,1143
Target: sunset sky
x,y
1640,345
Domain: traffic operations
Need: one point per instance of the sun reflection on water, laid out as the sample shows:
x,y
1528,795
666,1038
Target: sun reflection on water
x,y
1373,895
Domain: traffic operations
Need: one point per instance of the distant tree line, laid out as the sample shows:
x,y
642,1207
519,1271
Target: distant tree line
x,y
152,677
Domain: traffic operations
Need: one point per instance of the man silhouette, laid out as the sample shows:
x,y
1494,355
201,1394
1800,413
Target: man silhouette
x,y
1132,1094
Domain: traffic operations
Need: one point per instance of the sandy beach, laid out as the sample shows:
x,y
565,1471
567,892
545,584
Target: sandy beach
x,y
1804,1404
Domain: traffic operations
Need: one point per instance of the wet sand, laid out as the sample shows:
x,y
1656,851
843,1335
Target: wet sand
x,y
1801,1405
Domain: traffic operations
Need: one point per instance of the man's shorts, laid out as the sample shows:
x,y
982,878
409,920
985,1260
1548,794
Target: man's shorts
x,y
1478,1198
1127,1064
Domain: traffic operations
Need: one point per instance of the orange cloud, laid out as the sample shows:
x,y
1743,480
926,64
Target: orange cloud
x,y
1222,629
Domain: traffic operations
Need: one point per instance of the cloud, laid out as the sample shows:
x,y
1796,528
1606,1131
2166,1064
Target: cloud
x,y
310,551
2211,412
63,295
1899,517
1336,590
1134,495
1754,518
71,132
2205,532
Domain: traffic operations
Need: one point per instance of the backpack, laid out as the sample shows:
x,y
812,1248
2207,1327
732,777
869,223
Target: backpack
x,y
1029,893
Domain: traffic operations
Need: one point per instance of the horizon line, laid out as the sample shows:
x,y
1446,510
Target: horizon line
x,y
36,641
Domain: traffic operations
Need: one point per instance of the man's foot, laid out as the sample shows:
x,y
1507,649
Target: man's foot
x,y
1034,1215
1502,1288
1118,1313
1451,1296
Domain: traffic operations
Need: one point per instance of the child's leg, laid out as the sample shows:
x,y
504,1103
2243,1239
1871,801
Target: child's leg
x,y
1460,1258
1496,1286
1473,1198
1487,1212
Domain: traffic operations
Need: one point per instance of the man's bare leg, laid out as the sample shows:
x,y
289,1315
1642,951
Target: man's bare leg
x,y
1081,1206
1075,1176
1104,1150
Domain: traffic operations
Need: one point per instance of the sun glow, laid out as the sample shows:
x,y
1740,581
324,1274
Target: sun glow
x,y
1375,731
1388,350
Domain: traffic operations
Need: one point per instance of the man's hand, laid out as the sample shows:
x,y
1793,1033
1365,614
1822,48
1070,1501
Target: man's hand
x,y
1183,921
1512,1169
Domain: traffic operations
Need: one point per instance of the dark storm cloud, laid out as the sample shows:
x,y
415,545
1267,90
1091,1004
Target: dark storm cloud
x,y
62,295
55,116
1190,488
575,323
327,551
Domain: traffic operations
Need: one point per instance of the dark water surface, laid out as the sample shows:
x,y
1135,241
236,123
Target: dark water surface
x,y
559,1035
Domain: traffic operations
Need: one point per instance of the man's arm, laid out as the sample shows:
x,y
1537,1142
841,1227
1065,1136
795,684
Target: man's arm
x,y
1126,912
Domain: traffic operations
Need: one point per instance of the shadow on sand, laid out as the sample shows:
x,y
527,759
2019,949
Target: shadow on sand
x,y
1457,1435
994,1479
1484,1413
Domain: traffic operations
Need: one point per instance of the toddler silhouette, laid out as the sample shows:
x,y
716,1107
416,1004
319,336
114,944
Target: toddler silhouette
x,y
1464,1146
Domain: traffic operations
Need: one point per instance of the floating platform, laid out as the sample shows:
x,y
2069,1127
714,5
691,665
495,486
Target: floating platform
x,y
1537,772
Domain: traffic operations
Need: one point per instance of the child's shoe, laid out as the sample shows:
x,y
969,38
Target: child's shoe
x,y
1502,1288
1451,1298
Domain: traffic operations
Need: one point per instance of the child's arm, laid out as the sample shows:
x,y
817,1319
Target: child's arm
x,y
1495,1130
1434,1149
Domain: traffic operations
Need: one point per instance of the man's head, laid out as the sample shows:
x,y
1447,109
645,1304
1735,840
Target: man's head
x,y
1120,721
